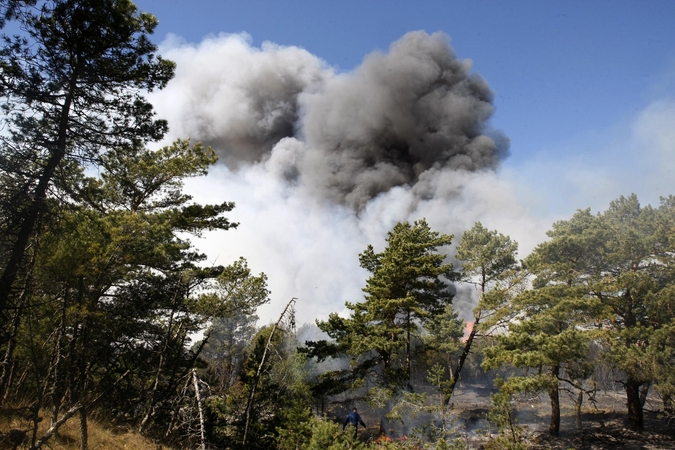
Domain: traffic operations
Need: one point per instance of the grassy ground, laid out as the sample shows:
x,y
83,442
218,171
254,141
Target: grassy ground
x,y
101,437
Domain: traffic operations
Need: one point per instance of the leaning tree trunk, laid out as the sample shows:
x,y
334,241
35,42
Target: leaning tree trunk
x,y
462,358
200,410
8,364
644,392
39,196
578,403
150,407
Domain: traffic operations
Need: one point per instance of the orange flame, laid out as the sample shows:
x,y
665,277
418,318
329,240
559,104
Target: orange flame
x,y
467,331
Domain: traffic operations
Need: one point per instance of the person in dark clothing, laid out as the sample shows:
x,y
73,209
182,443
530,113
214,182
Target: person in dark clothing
x,y
353,419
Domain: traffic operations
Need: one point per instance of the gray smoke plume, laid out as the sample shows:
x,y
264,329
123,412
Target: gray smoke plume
x,y
398,115
348,137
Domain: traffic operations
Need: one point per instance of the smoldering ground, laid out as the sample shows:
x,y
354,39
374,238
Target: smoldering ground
x,y
320,164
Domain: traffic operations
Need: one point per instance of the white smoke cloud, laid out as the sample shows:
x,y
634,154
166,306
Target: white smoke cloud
x,y
309,249
654,136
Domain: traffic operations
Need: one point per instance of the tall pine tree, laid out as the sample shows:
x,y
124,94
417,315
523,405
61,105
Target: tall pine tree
x,y
409,284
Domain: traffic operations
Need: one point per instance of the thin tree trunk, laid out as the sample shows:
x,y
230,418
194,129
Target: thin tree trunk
x,y
644,392
668,403
160,367
408,356
20,381
554,427
469,341
172,421
35,416
578,403
58,388
37,444
9,380
259,371
462,358
8,361
84,433
55,427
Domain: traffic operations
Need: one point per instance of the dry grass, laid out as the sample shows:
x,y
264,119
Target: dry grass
x,y
101,437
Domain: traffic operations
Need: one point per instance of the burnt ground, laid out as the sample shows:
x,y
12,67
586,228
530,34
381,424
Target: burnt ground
x,y
608,431
603,424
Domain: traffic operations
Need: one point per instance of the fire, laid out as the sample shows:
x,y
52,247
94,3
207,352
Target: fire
x,y
383,440
467,331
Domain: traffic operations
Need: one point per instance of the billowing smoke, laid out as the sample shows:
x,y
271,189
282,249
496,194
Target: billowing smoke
x,y
346,137
321,164
398,115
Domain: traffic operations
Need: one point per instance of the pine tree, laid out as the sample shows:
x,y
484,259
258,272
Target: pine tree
x,y
633,285
489,263
606,278
71,90
407,287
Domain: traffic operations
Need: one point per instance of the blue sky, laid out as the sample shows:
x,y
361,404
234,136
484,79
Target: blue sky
x,y
584,90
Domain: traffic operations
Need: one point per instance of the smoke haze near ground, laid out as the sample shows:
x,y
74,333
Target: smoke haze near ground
x,y
321,164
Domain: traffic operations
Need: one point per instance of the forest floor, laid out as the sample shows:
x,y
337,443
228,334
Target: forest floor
x,y
603,424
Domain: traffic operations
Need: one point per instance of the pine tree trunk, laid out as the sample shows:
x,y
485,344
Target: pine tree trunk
x,y
200,410
150,408
408,356
578,403
8,363
644,392
554,427
59,386
668,403
37,205
249,403
462,358
37,444
635,417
